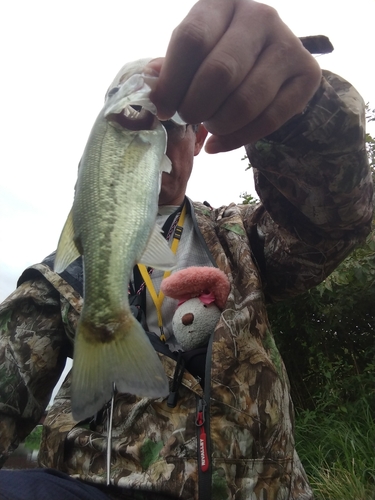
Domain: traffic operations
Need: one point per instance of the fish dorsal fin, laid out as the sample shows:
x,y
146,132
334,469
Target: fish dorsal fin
x,y
157,253
67,251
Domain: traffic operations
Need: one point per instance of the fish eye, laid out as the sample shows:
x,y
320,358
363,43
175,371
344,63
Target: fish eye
x,y
113,91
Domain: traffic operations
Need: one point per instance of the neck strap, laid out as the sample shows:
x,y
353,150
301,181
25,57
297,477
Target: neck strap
x,y
158,298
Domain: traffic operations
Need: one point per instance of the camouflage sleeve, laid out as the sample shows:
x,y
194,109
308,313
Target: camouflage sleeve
x,y
32,358
315,185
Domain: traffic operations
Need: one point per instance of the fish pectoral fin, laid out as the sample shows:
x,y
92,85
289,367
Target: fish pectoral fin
x,y
157,253
166,164
67,251
128,360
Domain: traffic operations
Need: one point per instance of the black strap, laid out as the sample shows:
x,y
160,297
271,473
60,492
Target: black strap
x,y
176,382
73,274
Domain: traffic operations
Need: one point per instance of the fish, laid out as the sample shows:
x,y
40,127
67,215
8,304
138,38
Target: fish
x,y
112,223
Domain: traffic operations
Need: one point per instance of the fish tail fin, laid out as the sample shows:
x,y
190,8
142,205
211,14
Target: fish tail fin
x,y
127,359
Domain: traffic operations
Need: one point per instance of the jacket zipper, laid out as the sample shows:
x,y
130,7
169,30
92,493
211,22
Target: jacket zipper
x,y
203,433
204,461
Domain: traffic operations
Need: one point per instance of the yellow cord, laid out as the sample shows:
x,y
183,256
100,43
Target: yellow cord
x,y
159,297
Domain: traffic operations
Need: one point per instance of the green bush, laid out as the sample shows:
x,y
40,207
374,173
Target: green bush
x,y
32,442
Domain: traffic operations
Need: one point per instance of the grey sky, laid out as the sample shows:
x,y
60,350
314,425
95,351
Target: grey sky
x,y
57,61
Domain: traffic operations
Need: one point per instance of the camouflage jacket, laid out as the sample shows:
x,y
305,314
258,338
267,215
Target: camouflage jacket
x,y
234,439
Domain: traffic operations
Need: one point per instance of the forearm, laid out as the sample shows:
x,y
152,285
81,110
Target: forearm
x,y
313,175
32,347
315,185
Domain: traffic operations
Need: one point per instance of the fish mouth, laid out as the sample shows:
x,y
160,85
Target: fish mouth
x,y
133,118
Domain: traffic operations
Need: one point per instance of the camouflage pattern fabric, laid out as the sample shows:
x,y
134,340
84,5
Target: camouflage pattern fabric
x,y
315,187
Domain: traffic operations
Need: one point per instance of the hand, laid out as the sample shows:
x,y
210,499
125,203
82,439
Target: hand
x,y
236,67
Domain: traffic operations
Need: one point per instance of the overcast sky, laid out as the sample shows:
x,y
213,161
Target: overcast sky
x,y
57,61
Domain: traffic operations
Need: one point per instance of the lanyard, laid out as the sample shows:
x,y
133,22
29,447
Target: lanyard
x,y
158,298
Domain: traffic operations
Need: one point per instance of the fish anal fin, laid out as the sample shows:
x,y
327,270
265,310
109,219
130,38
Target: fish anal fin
x,y
67,251
128,360
157,253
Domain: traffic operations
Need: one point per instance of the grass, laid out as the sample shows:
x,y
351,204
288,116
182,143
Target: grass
x,y
336,446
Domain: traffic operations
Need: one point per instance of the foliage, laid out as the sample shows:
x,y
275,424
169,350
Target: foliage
x,y
327,334
32,442
248,199
329,352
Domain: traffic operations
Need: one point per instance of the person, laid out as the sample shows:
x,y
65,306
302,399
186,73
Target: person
x,y
236,68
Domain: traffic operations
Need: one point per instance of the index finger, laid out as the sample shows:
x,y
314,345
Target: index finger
x,y
191,42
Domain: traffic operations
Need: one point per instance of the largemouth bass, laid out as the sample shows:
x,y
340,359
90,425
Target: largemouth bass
x,y
113,225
